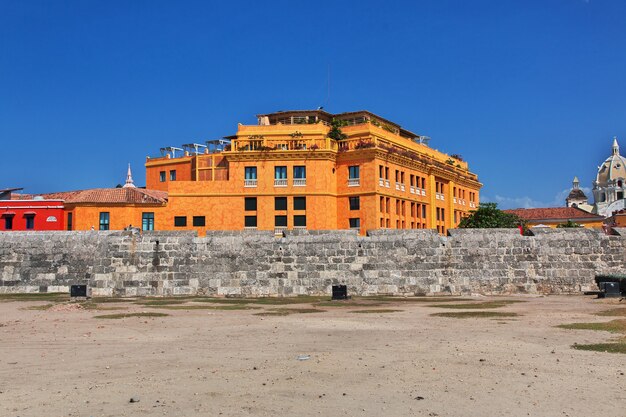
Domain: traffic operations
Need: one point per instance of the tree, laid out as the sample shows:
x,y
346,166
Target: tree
x,y
488,216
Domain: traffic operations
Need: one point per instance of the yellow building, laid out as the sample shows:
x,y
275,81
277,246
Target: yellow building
x,y
313,170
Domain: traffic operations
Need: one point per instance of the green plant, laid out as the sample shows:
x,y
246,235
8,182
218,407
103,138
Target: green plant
x,y
488,216
335,130
568,224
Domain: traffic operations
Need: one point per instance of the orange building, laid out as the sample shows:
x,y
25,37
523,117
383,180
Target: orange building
x,y
111,208
313,170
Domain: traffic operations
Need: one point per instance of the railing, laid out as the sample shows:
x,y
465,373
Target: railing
x,y
354,182
249,228
397,185
401,187
299,182
472,204
287,144
412,190
440,196
279,182
387,183
279,230
381,182
423,192
249,183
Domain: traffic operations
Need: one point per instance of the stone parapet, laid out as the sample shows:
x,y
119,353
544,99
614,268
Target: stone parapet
x,y
256,263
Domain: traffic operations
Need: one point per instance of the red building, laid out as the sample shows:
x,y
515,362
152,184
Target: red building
x,y
19,213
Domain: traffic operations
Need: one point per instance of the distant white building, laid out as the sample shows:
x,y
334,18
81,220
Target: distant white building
x,y
609,188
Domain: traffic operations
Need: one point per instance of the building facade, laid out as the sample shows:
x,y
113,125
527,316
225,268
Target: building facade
x,y
313,170
29,213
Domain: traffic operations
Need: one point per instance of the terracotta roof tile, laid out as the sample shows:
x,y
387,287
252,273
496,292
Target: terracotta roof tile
x,y
111,196
553,213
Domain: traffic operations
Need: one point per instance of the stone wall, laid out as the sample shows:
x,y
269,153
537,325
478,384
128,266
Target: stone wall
x,y
496,261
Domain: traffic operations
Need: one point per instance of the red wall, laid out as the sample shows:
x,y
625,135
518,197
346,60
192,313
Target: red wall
x,y
44,211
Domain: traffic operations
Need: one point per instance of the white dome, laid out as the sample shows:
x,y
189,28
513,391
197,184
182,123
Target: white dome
x,y
613,168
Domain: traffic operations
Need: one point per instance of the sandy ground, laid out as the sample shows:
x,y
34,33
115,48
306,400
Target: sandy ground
x,y
233,363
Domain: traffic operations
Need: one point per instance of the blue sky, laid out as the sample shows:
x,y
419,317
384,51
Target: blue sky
x,y
529,92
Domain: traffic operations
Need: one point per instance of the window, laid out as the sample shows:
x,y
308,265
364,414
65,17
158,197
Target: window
x,y
299,221
299,203
353,172
30,221
299,172
280,173
423,211
355,203
299,176
162,176
70,218
147,221
104,220
250,173
280,221
249,221
173,175
198,221
355,223
180,221
250,204
280,203
8,222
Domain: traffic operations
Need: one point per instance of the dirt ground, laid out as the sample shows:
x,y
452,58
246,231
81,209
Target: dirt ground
x,y
64,362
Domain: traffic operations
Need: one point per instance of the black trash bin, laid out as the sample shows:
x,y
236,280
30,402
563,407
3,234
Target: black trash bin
x,y
78,291
610,289
340,292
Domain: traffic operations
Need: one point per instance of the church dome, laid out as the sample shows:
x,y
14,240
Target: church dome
x,y
613,168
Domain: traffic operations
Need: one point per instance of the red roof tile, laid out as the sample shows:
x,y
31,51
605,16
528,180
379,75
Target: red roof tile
x,y
554,213
111,196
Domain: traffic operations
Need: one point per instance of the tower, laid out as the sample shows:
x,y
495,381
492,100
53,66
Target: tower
x,y
609,188
576,197
129,179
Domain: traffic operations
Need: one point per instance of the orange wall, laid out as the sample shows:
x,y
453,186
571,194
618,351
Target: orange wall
x,y
84,217
182,166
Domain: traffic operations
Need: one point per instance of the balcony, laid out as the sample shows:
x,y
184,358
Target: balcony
x,y
354,182
440,196
472,204
423,192
399,186
412,190
299,182
249,183
280,182
279,230
381,182
387,183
